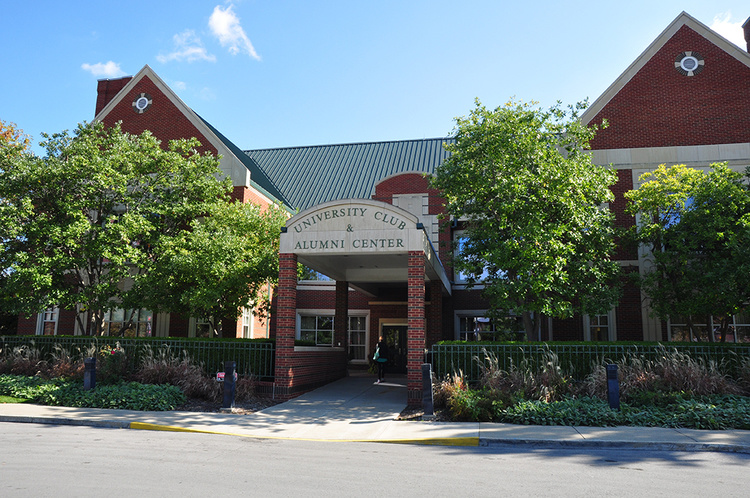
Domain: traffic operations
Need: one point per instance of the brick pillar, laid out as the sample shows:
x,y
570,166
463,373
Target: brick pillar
x,y
286,322
341,321
416,331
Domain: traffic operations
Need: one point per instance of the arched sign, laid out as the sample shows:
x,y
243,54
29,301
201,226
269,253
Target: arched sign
x,y
352,226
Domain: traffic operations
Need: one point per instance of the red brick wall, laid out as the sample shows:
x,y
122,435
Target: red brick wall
x,y
628,311
178,325
624,184
26,325
163,118
106,91
660,107
570,329
409,183
417,322
416,183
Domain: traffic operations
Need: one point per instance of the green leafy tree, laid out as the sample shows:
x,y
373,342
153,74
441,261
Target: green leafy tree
x,y
537,236
695,229
226,261
83,225
13,145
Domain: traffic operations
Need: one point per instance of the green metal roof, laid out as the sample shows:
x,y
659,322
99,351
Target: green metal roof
x,y
258,177
308,176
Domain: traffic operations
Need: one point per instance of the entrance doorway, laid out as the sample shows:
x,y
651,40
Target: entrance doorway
x,y
395,338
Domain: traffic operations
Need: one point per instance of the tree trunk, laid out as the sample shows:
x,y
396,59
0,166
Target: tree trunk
x,y
531,325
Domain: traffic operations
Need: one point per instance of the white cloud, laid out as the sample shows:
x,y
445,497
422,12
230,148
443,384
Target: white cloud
x,y
207,94
732,31
107,70
225,25
188,47
179,85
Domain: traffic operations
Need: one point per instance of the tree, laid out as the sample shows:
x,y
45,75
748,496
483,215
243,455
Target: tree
x,y
221,264
13,144
84,226
537,236
695,229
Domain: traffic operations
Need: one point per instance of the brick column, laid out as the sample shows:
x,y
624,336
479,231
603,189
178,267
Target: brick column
x,y
286,322
416,331
341,321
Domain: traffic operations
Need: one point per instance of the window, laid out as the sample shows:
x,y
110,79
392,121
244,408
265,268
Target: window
x,y
473,327
116,323
200,327
738,331
599,328
317,329
247,317
358,339
47,321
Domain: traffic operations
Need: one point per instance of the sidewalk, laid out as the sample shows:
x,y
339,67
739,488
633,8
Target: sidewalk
x,y
356,409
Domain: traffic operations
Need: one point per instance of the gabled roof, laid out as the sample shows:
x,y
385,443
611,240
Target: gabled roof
x,y
312,175
684,19
234,162
258,177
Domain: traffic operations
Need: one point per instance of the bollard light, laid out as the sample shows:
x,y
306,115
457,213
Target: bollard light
x,y
613,387
89,373
229,385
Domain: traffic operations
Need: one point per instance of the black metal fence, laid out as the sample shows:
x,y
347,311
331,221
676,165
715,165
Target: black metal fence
x,y
575,359
253,357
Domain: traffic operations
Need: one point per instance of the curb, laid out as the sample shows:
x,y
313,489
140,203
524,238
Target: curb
x,y
442,441
623,445
103,424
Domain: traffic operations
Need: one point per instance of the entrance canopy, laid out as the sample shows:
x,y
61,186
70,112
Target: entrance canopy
x,y
363,242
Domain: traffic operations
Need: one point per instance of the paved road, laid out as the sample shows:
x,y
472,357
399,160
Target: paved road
x,y
48,460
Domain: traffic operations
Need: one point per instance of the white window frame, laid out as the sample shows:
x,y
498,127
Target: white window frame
x,y
193,327
459,314
316,313
611,325
734,335
50,315
149,320
366,345
247,323
332,313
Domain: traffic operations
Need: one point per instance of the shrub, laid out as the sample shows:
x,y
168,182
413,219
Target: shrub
x,y
671,372
471,405
111,364
23,360
545,381
244,388
66,365
163,367
445,389
59,392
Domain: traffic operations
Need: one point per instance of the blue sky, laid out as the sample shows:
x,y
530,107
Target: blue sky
x,y
286,73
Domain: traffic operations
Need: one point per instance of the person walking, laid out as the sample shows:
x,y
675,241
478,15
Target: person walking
x,y
381,358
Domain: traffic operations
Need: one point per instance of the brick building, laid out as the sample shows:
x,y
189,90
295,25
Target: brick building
x,y
368,226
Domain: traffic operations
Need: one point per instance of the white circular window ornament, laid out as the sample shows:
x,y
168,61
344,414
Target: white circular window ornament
x,y
142,103
689,63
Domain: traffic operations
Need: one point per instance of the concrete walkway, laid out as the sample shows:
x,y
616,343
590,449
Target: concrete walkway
x,y
357,409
